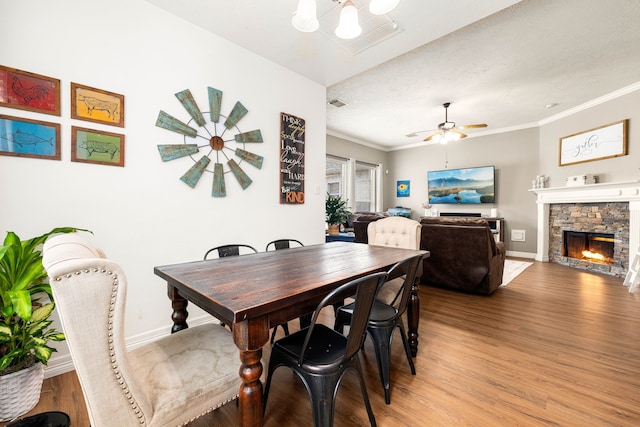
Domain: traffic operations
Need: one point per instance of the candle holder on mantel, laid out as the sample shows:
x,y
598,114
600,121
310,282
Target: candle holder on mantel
x,y
539,182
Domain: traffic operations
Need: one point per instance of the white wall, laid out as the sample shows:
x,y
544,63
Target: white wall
x,y
142,214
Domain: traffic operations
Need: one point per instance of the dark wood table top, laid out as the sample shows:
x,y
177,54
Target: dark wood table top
x,y
234,289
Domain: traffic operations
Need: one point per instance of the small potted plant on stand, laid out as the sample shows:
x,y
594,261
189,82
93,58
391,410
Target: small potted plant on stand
x,y
26,304
336,212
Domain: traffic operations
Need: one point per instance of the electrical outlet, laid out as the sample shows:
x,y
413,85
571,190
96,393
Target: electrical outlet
x,y
517,235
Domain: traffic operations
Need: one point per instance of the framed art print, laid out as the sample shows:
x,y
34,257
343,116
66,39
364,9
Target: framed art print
x,y
403,189
97,105
94,146
603,142
29,91
29,138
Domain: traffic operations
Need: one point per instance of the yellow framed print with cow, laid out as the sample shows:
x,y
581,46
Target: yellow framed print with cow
x,y
97,105
96,146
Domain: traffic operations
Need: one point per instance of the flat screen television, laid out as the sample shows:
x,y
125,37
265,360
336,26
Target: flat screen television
x,y
462,186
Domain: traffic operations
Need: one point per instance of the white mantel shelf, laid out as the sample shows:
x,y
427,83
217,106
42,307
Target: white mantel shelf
x,y
628,191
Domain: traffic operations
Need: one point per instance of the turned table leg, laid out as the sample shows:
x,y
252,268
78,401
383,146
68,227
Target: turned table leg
x,y
179,306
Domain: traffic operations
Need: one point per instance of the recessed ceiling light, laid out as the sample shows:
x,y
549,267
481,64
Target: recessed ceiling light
x,y
553,104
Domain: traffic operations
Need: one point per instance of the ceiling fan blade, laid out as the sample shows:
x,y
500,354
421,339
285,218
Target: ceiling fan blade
x,y
478,125
459,134
430,137
413,134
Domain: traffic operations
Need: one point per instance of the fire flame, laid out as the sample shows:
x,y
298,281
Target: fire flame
x,y
593,255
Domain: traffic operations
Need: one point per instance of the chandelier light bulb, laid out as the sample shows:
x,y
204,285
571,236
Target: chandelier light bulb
x,y
380,7
305,18
348,27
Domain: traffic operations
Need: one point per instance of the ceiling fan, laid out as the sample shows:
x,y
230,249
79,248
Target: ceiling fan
x,y
448,131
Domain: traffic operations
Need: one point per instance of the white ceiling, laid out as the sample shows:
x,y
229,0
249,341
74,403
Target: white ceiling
x,y
498,62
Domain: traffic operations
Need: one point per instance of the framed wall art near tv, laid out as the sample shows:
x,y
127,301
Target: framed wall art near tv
x,y
594,144
29,91
97,105
462,186
99,147
21,137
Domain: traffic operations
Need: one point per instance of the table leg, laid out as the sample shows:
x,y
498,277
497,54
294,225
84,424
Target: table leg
x,y
179,306
249,337
413,316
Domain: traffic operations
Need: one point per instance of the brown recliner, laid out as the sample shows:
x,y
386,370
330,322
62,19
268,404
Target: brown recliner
x,y
464,254
361,221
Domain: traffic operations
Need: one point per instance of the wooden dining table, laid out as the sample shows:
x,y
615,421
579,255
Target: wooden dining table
x,y
253,293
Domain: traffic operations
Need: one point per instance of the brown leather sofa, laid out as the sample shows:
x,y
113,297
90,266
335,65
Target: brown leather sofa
x,y
361,221
464,254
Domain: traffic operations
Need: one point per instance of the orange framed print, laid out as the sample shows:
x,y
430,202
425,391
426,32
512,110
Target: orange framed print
x,y
95,146
29,91
29,138
97,105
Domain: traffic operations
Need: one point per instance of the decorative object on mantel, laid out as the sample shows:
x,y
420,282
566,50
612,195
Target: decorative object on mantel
x,y
594,144
576,180
212,132
539,182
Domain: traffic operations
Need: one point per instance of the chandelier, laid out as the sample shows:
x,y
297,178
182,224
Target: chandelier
x,y
305,18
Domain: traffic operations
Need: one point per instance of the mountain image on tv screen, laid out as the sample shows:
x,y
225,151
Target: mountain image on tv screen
x,y
462,186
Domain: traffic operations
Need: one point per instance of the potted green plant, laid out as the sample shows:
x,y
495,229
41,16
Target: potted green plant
x,y
336,212
26,304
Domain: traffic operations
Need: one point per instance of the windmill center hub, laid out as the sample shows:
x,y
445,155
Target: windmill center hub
x,y
216,143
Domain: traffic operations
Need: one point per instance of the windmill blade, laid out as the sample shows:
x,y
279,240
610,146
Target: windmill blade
x,y
215,100
218,189
193,175
243,178
251,136
169,122
478,125
171,152
189,104
251,158
237,113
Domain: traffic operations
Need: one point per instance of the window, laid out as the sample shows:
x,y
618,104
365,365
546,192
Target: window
x,y
336,176
365,187
354,181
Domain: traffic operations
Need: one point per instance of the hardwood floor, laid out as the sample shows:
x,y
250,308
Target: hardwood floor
x,y
557,346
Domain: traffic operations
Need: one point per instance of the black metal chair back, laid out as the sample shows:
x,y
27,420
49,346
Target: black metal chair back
x,y
385,318
282,244
229,250
320,356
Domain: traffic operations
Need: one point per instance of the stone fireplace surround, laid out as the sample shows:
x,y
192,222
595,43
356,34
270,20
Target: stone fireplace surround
x,y
591,193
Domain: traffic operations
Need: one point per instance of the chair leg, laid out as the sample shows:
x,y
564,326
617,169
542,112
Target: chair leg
x,y
363,389
322,391
382,344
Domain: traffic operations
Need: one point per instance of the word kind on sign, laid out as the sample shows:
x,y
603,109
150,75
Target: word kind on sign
x,y
292,133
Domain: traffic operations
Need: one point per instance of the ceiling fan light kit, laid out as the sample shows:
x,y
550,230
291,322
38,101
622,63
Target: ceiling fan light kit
x,y
447,131
305,17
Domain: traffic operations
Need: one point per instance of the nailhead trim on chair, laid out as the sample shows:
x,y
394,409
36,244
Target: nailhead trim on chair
x,y
112,355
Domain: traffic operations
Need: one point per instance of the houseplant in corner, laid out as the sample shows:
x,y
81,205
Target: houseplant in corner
x,y
336,212
26,304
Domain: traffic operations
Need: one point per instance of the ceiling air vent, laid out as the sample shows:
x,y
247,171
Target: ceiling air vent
x,y
337,103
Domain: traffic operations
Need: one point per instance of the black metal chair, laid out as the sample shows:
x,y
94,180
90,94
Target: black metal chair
x,y
282,244
229,250
384,319
321,356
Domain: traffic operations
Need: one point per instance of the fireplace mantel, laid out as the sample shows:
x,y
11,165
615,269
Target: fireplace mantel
x,y
589,193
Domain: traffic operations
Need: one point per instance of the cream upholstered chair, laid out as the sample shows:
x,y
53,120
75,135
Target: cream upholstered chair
x,y
395,231
168,382
398,232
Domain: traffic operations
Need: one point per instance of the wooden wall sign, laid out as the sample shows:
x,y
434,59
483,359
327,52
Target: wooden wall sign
x,y
292,135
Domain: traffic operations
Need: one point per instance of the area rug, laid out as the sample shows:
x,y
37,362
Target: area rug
x,y
512,269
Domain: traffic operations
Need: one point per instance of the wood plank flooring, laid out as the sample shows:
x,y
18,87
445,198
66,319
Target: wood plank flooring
x,y
557,346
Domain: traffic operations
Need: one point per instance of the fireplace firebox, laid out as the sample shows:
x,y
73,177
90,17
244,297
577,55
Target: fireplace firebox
x,y
593,247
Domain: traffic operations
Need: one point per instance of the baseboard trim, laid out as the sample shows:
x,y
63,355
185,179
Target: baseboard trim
x,y
516,254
